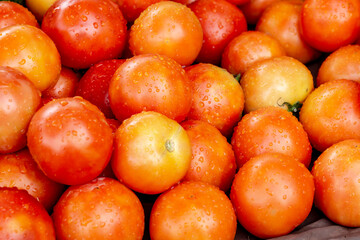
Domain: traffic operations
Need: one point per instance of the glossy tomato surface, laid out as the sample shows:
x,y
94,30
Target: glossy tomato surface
x,y
12,13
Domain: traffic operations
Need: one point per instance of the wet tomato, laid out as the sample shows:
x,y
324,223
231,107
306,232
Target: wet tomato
x,y
12,13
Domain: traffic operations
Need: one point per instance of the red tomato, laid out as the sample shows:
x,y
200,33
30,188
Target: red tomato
x,y
337,182
20,170
281,20
329,24
193,210
151,152
217,97
331,113
272,195
238,2
213,160
221,21
94,84
85,31
270,129
23,217
29,50
12,13
70,140
344,63
19,100
152,83
131,9
167,28
100,209
253,9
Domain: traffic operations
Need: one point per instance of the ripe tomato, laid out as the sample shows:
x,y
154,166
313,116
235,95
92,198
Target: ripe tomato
x,y
217,97
131,9
337,182
253,9
213,160
331,113
94,84
23,217
12,13
270,129
329,24
272,194
151,152
39,7
150,82
221,21
20,170
19,100
193,210
281,20
29,50
85,31
167,28
70,140
344,63
100,209
248,48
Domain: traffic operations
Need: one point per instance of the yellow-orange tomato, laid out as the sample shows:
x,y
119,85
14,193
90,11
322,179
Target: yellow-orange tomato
x,y
39,7
254,8
151,152
276,81
167,28
29,50
344,63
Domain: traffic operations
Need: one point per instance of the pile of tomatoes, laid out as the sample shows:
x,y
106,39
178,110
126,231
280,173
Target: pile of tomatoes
x,y
132,119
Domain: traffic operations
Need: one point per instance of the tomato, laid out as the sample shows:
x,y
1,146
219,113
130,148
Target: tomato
x,y
248,48
270,129
193,210
238,2
29,50
272,194
39,7
151,152
85,31
213,160
23,217
331,113
329,24
131,9
70,140
253,9
276,82
100,209
167,28
337,182
20,170
281,20
217,97
19,100
344,63
153,83
12,13
221,21
94,84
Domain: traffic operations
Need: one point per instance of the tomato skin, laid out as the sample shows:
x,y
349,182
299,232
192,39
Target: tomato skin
x,y
221,21
193,210
70,140
100,209
29,50
12,13
94,84
150,82
131,9
19,100
336,175
85,31
20,170
23,217
151,152
272,194
344,63
213,160
254,8
270,129
167,28
217,98
331,113
329,24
